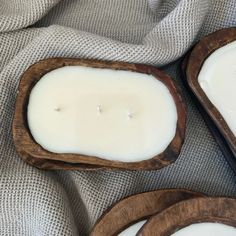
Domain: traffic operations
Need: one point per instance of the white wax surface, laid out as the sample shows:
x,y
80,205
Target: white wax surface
x,y
206,229
217,78
112,114
133,229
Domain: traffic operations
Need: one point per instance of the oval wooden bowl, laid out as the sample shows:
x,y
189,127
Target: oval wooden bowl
x,y
33,153
199,54
182,214
136,208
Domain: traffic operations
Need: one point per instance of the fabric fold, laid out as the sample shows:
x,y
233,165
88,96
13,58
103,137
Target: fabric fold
x,y
37,202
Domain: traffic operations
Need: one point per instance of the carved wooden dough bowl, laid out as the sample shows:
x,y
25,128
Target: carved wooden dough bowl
x,y
138,207
184,213
34,154
199,54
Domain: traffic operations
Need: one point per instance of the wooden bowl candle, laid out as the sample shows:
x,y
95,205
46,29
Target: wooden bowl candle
x,y
137,208
98,114
198,216
211,74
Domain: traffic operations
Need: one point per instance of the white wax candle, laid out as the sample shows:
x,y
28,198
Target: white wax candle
x,y
112,114
206,229
217,78
133,229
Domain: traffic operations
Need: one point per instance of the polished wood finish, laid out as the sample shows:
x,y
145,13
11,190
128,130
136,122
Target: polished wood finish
x,y
182,214
33,153
136,208
199,54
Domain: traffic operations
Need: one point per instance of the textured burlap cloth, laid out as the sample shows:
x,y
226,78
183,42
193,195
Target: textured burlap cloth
x,y
158,32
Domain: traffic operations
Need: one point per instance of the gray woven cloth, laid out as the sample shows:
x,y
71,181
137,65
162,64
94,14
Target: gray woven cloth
x,y
158,32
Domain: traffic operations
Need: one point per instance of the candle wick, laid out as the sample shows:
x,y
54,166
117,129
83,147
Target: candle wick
x,y
130,115
99,109
57,109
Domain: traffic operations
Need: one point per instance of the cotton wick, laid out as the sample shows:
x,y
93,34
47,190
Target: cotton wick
x,y
99,109
130,115
57,109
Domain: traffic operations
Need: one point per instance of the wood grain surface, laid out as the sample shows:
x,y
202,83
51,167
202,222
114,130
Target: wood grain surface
x,y
34,154
184,213
138,207
199,54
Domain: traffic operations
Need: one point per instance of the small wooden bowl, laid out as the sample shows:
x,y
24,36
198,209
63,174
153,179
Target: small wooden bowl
x,y
199,54
34,154
185,213
136,208
224,146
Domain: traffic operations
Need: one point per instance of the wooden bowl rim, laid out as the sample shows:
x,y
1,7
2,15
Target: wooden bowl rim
x,y
29,149
61,165
200,52
128,210
191,211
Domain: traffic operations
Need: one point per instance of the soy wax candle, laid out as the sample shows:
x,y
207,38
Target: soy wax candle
x,y
207,229
203,229
112,114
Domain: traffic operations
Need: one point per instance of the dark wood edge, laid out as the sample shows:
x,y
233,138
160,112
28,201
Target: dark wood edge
x,y
26,145
60,165
187,212
199,54
137,207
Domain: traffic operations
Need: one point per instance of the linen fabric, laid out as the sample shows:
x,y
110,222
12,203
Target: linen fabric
x,y
157,32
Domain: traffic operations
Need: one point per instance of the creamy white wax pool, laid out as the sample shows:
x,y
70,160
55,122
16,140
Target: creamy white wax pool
x,y
217,78
112,114
206,229
133,229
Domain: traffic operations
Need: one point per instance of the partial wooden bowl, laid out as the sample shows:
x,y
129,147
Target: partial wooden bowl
x,y
33,153
199,54
197,210
136,208
223,144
